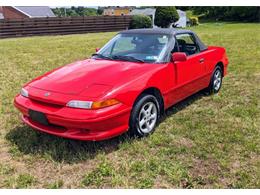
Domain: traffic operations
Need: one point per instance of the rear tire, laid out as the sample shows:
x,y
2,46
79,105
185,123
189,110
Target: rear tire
x,y
144,116
216,81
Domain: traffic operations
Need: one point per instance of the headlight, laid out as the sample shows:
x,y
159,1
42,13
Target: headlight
x,y
92,105
24,92
79,104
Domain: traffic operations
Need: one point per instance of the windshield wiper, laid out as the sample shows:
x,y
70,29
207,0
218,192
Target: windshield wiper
x,y
101,56
127,58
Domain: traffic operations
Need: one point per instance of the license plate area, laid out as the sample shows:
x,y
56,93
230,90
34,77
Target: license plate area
x,y
38,117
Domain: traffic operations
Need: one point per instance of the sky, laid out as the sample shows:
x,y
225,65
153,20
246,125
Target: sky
x,y
75,6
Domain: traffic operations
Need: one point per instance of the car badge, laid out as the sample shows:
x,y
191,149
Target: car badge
x,y
47,94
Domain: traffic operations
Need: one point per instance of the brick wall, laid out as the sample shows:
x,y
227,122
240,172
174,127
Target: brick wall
x,y
11,13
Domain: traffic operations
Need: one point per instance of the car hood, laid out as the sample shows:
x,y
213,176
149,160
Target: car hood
x,y
91,77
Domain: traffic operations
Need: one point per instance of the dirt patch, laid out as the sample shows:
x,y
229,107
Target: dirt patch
x,y
186,142
204,172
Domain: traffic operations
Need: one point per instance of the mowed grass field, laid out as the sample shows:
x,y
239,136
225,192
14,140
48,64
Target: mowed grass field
x,y
202,142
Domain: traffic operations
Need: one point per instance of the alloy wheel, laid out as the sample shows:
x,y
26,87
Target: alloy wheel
x,y
147,117
217,80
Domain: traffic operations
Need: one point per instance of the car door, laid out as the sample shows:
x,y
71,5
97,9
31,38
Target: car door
x,y
189,74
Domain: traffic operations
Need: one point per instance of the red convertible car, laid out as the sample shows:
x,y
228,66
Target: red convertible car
x,y
124,86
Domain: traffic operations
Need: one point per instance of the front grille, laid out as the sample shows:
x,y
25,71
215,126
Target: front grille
x,y
45,103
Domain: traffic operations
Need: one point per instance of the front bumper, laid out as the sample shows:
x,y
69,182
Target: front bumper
x,y
74,123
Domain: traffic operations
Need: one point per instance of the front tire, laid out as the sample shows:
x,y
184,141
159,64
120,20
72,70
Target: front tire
x,y
144,116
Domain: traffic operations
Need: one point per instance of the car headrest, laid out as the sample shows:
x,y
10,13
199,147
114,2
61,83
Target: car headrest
x,y
181,42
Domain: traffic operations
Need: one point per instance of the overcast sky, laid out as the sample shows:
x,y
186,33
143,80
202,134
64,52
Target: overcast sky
x,y
75,6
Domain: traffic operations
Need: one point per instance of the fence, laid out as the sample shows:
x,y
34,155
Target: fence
x,y
60,26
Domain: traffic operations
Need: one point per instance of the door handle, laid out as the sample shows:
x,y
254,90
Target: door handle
x,y
202,60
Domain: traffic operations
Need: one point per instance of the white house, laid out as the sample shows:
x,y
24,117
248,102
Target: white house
x,y
182,22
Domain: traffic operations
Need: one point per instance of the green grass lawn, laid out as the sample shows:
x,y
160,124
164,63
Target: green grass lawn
x,y
202,142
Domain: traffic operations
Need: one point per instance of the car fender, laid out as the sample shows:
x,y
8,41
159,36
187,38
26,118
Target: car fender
x,y
130,91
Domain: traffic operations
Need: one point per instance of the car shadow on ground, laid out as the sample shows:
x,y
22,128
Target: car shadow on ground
x,y
183,104
29,141
25,140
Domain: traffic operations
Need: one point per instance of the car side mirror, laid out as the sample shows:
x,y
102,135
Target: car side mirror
x,y
97,49
179,57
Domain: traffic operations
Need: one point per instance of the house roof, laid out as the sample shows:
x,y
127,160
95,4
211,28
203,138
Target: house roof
x,y
35,11
146,11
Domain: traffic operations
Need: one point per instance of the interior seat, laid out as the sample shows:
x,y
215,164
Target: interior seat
x,y
182,46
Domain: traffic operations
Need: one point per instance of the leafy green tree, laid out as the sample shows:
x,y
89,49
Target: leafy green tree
x,y
140,21
80,11
184,8
75,11
164,16
100,10
247,14
224,13
58,12
90,12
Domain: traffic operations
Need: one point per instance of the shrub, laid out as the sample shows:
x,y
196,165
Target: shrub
x,y
164,16
140,21
194,21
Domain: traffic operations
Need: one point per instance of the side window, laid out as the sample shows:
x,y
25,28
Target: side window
x,y
187,44
175,49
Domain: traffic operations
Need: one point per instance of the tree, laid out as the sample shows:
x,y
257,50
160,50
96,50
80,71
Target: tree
x,y
100,10
90,12
184,8
164,16
247,14
58,12
224,13
140,21
75,11
80,10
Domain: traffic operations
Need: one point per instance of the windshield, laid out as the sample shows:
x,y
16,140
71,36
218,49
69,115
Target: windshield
x,y
149,48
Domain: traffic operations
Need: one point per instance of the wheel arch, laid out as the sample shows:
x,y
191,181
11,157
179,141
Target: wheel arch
x,y
221,65
157,93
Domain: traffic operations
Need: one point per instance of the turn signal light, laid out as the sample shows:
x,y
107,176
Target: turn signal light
x,y
92,105
105,103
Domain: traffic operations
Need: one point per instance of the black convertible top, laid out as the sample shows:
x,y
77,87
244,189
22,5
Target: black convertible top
x,y
169,31
166,31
